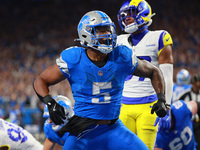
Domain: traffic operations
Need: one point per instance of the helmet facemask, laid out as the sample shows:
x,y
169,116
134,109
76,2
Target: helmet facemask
x,y
103,42
126,13
140,12
89,35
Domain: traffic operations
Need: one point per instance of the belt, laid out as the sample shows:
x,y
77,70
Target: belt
x,y
104,122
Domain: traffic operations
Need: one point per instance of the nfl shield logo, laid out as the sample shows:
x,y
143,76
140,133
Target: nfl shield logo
x,y
100,73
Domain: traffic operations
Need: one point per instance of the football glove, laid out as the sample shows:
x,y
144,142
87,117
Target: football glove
x,y
164,123
56,111
160,108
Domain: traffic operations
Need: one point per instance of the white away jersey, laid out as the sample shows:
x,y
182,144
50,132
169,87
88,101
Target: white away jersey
x,y
148,49
17,138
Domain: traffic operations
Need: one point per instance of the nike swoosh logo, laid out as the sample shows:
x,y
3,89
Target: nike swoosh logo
x,y
167,39
54,108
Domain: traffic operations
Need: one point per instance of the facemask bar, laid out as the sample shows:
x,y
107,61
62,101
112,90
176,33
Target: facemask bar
x,y
108,41
124,13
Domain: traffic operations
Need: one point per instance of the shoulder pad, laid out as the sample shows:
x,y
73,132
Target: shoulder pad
x,y
167,39
123,36
164,40
72,55
124,53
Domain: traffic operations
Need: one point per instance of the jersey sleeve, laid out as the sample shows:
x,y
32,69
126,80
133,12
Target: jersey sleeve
x,y
128,55
63,66
67,58
181,110
134,61
164,40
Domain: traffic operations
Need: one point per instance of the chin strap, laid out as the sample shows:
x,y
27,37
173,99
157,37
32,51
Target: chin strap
x,y
131,28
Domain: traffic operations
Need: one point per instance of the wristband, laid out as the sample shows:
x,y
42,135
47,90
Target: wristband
x,y
161,97
48,99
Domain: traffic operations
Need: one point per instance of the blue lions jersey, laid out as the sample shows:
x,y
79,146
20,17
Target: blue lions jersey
x,y
97,91
52,135
180,90
181,137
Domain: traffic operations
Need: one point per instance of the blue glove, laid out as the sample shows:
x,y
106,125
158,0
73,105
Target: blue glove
x,y
164,123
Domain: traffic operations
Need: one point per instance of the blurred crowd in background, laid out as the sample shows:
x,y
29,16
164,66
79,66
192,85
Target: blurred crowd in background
x,y
34,32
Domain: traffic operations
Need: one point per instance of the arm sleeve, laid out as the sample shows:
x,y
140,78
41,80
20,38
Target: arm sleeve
x,y
167,70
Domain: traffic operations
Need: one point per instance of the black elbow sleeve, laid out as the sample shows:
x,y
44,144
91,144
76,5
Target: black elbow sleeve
x,y
198,107
40,97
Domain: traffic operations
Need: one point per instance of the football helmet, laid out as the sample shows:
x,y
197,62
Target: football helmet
x,y
183,77
67,104
87,31
140,10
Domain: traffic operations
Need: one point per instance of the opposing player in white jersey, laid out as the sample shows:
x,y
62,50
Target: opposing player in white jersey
x,y
14,137
134,17
53,141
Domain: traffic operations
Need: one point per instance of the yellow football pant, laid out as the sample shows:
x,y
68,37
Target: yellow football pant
x,y
138,119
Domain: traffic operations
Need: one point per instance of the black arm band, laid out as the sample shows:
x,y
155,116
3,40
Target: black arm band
x,y
40,97
47,99
161,97
198,107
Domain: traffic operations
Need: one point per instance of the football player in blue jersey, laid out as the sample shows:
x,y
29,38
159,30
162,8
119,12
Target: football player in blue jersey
x,y
138,95
188,88
96,73
53,141
182,87
180,136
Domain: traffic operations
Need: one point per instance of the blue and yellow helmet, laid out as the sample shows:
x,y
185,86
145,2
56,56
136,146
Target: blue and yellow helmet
x,y
140,10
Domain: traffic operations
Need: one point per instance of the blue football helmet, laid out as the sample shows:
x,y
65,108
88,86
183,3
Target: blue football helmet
x,y
183,77
67,104
87,31
140,10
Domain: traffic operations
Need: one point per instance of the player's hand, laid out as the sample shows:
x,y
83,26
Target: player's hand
x,y
56,111
164,123
159,108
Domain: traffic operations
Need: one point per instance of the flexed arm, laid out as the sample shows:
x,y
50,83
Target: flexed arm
x,y
146,69
48,77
